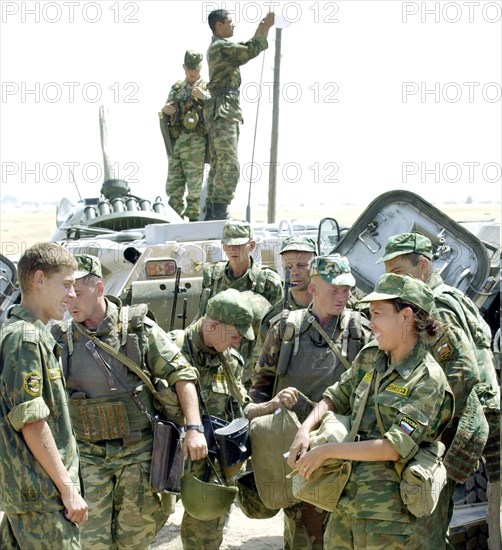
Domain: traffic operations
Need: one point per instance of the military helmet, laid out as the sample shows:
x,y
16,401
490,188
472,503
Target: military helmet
x,y
205,501
249,500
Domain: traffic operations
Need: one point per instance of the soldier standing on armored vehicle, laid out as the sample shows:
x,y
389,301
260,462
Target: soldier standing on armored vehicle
x,y
39,467
185,138
113,431
222,111
210,346
477,406
309,350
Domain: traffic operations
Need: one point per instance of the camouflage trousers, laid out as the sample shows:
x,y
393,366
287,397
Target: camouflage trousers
x,y
186,172
38,530
303,527
224,168
344,532
123,511
197,534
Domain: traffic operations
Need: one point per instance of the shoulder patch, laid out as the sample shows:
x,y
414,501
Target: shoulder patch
x,y
408,425
443,349
32,384
367,377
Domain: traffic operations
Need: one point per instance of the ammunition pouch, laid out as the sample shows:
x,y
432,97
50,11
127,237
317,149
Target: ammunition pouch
x,y
107,418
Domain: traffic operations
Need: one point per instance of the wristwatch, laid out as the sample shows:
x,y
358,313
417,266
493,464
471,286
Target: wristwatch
x,y
198,427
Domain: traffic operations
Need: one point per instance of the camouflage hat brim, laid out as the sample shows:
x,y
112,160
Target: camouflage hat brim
x,y
236,241
343,279
394,254
80,274
378,296
247,332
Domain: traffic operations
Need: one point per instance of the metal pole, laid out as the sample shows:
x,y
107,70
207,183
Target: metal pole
x,y
272,172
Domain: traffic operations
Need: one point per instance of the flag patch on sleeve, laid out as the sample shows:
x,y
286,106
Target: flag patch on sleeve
x,y
408,425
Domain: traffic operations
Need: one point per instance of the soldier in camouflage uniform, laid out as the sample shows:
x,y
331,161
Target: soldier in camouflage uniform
x,y
412,253
188,136
39,469
240,271
309,350
114,434
210,345
222,111
296,253
415,404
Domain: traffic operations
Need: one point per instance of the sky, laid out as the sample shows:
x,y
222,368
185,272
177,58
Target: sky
x,y
375,95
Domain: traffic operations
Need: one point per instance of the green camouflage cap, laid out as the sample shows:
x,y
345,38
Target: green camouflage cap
x,y
193,60
334,269
231,308
236,232
298,244
87,265
408,289
406,243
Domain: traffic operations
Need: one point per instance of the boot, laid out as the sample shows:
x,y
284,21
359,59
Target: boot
x,y
220,211
208,209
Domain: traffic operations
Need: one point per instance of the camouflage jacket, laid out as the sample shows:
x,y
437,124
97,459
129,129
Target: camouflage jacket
x,y
258,278
31,389
415,403
224,59
301,358
181,95
275,310
213,385
454,308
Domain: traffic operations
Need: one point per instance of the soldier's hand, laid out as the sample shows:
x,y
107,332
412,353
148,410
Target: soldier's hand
x,y
299,447
169,109
75,507
198,93
286,398
194,445
269,20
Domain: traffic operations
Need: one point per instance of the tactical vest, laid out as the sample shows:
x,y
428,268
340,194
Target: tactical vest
x,y
183,106
311,366
116,415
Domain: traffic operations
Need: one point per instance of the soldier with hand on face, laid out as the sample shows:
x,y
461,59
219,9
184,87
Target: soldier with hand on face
x,y
39,468
186,139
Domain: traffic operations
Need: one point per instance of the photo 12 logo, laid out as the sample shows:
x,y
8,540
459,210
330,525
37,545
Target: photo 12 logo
x,y
451,92
450,172
289,12
69,92
451,12
69,12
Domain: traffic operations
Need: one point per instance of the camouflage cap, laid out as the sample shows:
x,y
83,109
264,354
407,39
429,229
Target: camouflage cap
x,y
236,232
406,243
193,60
231,308
87,265
334,269
298,244
408,289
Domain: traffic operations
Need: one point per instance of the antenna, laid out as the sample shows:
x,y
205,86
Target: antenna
x,y
76,186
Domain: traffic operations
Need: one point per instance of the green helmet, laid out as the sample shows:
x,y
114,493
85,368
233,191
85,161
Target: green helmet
x,y
249,500
205,501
